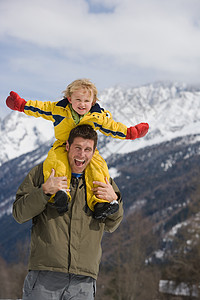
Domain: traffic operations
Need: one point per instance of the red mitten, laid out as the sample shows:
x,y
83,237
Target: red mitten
x,y
138,131
15,102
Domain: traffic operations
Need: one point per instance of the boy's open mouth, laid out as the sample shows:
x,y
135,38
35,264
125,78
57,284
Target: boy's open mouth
x,y
79,162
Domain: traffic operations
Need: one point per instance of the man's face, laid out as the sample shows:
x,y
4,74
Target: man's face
x,y
80,154
81,101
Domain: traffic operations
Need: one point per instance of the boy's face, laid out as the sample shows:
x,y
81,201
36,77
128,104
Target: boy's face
x,y
81,101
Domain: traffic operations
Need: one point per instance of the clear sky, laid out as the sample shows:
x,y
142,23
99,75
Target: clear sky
x,y
46,44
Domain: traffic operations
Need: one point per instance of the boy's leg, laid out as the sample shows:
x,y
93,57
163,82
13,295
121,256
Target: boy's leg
x,y
104,209
57,160
97,170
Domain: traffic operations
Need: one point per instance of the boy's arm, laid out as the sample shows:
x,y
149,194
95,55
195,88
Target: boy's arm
x,y
31,108
120,131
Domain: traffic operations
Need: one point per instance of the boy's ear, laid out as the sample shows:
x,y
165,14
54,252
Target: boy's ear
x,y
67,145
69,99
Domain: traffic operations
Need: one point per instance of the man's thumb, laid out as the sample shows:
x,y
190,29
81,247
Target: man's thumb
x,y
52,173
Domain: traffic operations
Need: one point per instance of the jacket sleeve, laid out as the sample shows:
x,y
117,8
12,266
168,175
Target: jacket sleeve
x,y
109,127
40,109
30,199
113,221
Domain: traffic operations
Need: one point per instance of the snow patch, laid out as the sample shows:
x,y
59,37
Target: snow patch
x,y
114,172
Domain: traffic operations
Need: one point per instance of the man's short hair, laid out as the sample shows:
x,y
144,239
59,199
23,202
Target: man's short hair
x,y
85,131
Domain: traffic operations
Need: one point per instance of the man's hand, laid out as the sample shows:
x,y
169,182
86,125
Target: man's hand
x,y
54,184
15,102
104,191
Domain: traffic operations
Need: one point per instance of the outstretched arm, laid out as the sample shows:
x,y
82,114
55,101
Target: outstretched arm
x,y
110,127
36,109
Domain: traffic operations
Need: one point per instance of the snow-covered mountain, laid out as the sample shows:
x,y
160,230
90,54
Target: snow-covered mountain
x,y
172,110
20,134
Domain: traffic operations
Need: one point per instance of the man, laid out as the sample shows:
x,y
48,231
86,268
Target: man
x,y
65,241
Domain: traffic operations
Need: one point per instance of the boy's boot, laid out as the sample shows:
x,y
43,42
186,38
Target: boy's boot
x,y
104,209
61,201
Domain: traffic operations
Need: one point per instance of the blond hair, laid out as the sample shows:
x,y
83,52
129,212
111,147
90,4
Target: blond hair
x,y
83,83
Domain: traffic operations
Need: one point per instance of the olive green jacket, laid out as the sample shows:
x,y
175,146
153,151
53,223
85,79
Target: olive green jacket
x,y
70,242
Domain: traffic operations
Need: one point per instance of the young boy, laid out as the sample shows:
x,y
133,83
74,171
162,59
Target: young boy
x,y
78,107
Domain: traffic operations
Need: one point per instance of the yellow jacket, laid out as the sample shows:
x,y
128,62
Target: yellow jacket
x,y
60,114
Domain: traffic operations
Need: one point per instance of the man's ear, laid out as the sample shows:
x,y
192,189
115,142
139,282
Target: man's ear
x,y
67,145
